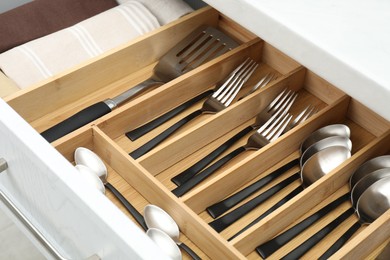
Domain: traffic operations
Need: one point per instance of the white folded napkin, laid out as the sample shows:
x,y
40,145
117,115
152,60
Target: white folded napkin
x,y
47,56
166,11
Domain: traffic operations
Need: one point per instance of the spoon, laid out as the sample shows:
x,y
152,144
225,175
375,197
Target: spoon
x,y
369,166
86,157
219,208
89,176
322,163
371,204
156,217
317,166
325,143
367,181
324,132
165,242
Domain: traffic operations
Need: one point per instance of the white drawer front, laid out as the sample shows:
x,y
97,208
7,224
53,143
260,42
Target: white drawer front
x,y
77,220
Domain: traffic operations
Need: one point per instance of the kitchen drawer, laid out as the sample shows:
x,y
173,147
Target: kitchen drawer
x,y
147,179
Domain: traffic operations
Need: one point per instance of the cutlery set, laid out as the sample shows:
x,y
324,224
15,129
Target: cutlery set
x,y
157,223
370,198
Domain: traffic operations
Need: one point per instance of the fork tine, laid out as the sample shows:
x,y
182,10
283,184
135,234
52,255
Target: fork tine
x,y
286,102
262,83
235,81
280,128
229,98
269,121
230,77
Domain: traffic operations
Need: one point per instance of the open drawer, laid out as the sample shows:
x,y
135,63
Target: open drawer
x,y
147,178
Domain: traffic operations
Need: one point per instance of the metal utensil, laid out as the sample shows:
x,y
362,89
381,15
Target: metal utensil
x,y
86,157
221,98
317,166
156,217
200,46
372,200
324,132
89,176
374,164
325,143
282,102
142,130
266,134
165,242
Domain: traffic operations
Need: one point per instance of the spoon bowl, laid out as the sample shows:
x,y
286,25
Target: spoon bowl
x,y
165,242
90,177
325,143
324,132
364,183
86,157
156,217
374,201
369,166
322,163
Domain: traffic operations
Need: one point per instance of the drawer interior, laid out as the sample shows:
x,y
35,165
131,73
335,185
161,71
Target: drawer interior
x,y
147,179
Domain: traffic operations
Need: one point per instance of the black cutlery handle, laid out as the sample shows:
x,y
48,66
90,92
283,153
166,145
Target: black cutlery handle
x,y
142,130
221,207
76,121
317,237
228,219
185,187
270,210
271,246
130,208
341,241
189,251
164,135
197,167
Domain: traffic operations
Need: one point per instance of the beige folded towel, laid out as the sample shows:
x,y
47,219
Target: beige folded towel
x,y
47,56
7,86
166,11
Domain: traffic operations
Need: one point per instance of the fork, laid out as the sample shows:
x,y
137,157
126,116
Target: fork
x,y
218,101
266,134
219,208
282,102
144,129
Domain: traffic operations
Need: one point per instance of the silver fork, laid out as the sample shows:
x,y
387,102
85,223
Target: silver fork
x,y
262,83
266,134
282,102
218,101
219,208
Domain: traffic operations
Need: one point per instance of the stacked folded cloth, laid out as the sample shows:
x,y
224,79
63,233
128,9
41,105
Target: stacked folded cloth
x,y
50,55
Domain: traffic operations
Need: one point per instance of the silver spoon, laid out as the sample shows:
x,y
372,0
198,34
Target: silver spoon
x,y
86,157
322,163
156,217
89,176
165,242
315,167
369,166
373,202
365,182
325,143
89,159
324,132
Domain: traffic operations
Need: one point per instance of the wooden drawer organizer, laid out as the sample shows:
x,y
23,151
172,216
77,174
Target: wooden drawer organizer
x,y
147,179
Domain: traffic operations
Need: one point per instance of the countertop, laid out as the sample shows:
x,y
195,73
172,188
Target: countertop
x,y
347,42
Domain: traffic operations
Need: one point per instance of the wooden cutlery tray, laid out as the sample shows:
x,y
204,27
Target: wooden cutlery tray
x,y
147,179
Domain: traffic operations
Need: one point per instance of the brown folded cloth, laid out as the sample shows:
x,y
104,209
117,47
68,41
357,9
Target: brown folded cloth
x,y
42,17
